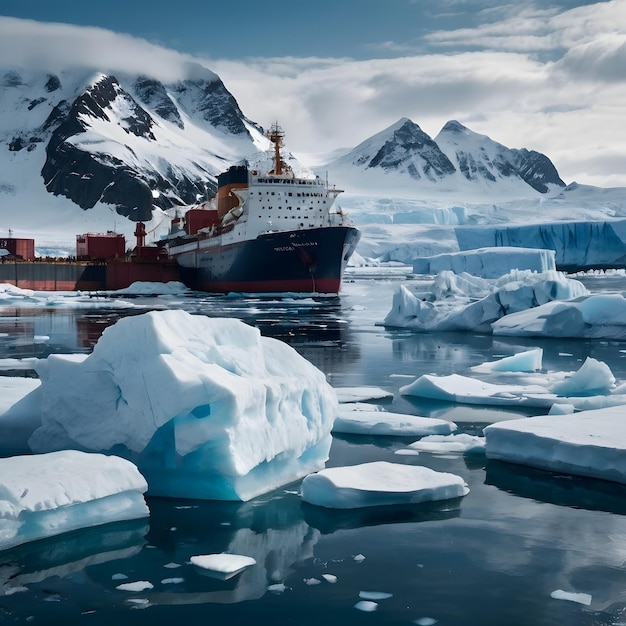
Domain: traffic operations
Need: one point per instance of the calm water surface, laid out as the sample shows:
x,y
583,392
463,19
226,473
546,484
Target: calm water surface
x,y
492,557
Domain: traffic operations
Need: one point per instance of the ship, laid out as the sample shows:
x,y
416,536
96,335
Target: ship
x,y
267,230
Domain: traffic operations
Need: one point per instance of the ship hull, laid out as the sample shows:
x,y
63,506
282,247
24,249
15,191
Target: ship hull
x,y
303,261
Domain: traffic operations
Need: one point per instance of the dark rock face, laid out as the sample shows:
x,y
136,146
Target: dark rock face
x,y
153,94
90,177
537,170
490,159
409,143
216,104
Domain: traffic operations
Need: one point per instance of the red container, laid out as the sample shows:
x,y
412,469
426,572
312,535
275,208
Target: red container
x,y
21,248
100,246
195,219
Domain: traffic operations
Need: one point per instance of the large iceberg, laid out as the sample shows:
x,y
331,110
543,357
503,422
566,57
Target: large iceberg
x,y
49,494
206,408
465,302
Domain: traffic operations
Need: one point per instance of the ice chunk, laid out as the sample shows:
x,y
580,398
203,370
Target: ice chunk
x,y
456,388
527,361
581,598
374,422
139,585
451,443
206,407
356,394
379,483
222,566
49,494
588,443
366,605
375,595
593,378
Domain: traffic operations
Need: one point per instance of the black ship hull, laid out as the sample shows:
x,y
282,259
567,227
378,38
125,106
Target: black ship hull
x,y
303,261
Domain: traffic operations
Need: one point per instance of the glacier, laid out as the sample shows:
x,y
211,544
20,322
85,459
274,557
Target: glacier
x,y
205,407
578,245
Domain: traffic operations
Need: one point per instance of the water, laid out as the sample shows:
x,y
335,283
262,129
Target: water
x,y
492,557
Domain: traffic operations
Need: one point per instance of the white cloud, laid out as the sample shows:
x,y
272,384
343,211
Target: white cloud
x,y
54,47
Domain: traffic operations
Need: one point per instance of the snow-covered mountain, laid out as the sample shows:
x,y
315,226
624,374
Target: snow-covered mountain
x,y
96,150
128,141
456,160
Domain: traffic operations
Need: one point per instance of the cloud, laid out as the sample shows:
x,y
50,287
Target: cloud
x,y
54,47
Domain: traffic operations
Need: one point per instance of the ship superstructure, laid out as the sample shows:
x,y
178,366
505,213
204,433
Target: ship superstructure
x,y
267,230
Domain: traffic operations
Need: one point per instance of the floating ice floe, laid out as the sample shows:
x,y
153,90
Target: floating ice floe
x,y
379,483
465,302
592,386
444,444
50,494
206,408
596,317
580,598
488,262
354,419
222,566
359,394
588,443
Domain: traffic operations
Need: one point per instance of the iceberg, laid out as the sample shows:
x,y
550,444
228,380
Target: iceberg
x,y
50,494
589,443
487,262
206,408
464,302
379,483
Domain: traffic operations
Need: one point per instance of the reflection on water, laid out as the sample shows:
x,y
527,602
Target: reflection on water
x,y
492,557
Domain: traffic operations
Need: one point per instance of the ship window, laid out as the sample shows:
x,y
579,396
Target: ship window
x,y
290,193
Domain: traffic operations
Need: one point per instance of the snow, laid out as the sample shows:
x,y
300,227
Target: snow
x,y
50,494
589,443
356,420
222,566
241,413
379,483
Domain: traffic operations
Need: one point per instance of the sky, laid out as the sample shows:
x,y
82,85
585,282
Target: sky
x,y
547,76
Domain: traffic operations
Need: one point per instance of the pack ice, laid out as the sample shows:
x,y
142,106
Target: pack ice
x,y
206,408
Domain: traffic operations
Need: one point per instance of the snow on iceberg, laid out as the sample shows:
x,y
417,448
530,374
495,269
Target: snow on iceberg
x,y
600,316
50,494
206,408
463,302
359,421
488,262
380,483
589,443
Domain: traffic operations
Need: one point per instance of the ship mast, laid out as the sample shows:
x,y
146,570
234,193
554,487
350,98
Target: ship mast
x,y
276,136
